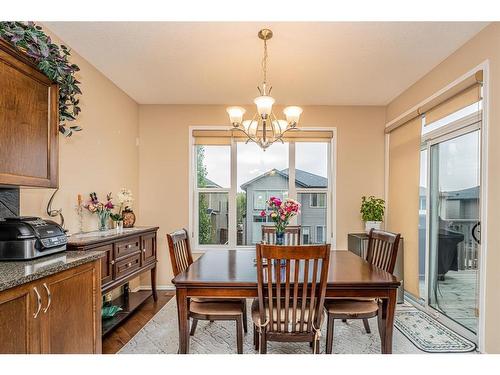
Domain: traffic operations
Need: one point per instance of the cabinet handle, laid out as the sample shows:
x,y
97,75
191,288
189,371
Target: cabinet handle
x,y
129,246
39,301
49,296
143,250
112,262
129,265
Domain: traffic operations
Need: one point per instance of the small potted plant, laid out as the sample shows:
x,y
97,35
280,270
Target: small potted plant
x,y
372,212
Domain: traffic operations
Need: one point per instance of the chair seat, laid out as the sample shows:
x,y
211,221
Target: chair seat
x,y
234,300
218,308
256,315
351,307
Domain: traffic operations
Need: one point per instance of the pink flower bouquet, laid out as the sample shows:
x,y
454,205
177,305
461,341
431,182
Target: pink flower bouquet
x,y
281,212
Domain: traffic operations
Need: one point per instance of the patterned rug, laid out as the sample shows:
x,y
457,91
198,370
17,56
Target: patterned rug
x,y
160,336
429,335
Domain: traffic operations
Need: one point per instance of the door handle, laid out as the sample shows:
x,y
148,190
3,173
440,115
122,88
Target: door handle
x,y
477,228
39,301
49,296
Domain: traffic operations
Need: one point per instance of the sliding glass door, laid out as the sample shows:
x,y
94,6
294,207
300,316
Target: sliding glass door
x,y
454,221
450,224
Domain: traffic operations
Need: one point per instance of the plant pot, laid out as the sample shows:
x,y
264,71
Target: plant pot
x,y
369,225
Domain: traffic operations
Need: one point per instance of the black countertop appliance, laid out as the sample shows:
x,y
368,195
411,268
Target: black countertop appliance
x,y
23,238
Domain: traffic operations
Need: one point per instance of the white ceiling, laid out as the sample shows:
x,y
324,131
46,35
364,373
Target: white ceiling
x,y
343,63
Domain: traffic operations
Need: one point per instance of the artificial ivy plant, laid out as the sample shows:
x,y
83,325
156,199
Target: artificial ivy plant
x,y
53,61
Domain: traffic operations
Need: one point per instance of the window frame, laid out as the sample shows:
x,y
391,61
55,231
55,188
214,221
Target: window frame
x,y
317,200
323,232
330,228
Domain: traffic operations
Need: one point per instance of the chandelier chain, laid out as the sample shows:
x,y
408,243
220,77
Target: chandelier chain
x,y
264,62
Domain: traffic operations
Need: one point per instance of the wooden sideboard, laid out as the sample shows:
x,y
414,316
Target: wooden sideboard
x,y
126,256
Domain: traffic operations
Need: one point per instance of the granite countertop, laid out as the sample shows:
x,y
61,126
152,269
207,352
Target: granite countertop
x,y
21,272
87,238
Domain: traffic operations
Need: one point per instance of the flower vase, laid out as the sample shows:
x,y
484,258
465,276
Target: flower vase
x,y
103,217
280,238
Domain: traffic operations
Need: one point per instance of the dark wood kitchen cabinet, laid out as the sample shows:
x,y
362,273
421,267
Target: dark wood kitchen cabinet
x,y
29,120
57,314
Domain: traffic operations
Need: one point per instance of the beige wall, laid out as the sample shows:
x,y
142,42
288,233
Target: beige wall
x,y
102,157
164,163
484,46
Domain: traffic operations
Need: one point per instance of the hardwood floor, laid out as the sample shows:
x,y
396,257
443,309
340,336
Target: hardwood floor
x,y
114,341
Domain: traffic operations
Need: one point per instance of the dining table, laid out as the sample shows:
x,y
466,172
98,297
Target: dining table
x,y
232,274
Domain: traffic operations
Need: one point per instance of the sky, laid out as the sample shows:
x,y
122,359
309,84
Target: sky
x,y
458,163
252,161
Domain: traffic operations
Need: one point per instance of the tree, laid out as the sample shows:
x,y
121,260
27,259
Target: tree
x,y
241,207
204,223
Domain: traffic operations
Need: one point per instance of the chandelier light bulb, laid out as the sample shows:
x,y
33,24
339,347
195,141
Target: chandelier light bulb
x,y
235,115
264,105
279,126
292,114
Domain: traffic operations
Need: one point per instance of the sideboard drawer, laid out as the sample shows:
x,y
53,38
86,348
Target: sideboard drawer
x,y
127,265
126,247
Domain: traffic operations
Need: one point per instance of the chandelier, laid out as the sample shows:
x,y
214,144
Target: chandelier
x,y
264,128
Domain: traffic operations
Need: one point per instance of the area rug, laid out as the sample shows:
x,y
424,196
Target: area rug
x,y
160,336
429,335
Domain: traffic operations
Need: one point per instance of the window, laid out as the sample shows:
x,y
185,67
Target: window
x,y
260,176
212,191
306,232
317,200
235,180
320,234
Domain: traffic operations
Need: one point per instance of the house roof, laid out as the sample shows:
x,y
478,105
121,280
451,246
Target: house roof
x,y
302,178
469,193
210,184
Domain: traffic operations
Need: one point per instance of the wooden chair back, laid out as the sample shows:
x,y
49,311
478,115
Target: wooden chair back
x,y
291,296
382,249
292,235
180,251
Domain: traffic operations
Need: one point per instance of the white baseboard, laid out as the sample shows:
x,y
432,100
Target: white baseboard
x,y
158,287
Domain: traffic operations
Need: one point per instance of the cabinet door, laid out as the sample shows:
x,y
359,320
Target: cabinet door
x,y
148,243
71,320
28,122
19,328
106,263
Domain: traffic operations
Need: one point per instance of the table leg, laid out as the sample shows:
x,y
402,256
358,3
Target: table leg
x,y
386,321
182,310
153,284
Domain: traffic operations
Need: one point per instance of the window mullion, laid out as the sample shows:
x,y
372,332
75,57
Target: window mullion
x,y
292,190
232,235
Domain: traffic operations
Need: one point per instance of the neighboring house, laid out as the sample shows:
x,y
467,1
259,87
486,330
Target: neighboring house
x,y
458,212
275,183
217,208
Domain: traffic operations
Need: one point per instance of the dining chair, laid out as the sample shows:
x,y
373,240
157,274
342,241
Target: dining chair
x,y
291,294
292,235
381,252
206,308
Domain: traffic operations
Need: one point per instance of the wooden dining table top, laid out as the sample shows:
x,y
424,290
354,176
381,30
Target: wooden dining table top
x,y
236,268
